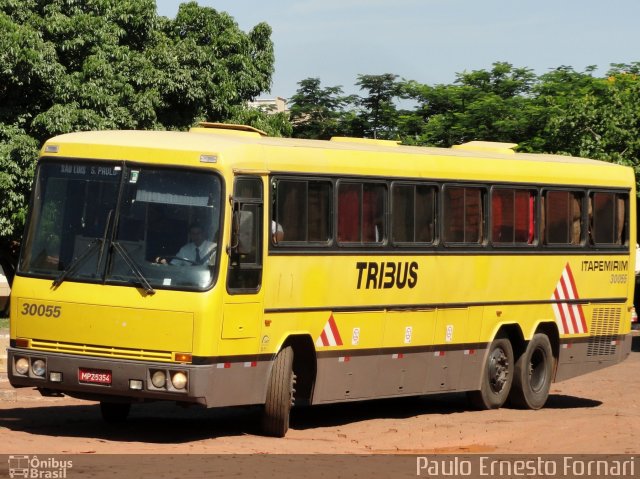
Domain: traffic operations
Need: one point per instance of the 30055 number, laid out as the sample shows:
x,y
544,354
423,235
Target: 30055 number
x,y
618,279
48,311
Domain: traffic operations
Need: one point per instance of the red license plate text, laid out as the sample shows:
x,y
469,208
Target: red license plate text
x,y
94,376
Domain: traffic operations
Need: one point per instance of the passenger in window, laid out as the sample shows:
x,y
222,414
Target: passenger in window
x,y
196,252
277,233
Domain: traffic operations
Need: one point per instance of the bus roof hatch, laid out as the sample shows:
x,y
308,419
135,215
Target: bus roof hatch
x,y
229,128
487,146
364,141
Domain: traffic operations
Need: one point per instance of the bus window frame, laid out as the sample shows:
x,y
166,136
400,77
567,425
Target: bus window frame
x,y
436,214
536,217
237,202
625,194
484,195
364,180
544,220
273,202
487,245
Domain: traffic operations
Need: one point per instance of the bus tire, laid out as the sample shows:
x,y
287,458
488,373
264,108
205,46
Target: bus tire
x,y
280,395
497,377
114,412
532,378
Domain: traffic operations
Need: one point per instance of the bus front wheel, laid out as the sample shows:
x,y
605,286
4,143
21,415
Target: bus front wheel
x,y
532,379
497,376
280,395
114,412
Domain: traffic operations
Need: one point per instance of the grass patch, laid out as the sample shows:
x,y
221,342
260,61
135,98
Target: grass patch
x,y
4,323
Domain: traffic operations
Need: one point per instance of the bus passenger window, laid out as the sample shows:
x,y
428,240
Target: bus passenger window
x,y
413,208
361,212
563,213
463,215
607,216
512,216
303,210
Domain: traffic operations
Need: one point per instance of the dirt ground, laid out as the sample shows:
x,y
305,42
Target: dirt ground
x,y
596,413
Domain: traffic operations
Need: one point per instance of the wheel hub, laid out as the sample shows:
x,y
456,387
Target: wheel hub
x,y
498,370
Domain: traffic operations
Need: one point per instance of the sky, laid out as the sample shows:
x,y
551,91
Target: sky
x,y
429,41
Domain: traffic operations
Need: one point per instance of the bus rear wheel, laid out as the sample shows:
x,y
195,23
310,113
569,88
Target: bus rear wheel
x,y
497,377
532,379
280,395
114,412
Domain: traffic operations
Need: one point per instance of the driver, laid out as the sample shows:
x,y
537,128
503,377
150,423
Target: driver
x,y
197,251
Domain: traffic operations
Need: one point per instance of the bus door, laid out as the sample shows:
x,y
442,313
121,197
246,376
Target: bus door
x,y
243,308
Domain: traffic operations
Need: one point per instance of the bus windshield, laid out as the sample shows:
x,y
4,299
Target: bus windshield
x,y
123,224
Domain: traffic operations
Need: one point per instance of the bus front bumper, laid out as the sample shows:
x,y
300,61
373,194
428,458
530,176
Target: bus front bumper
x,y
106,379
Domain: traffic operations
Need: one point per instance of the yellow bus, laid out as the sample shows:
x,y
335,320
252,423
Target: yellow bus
x,y
221,267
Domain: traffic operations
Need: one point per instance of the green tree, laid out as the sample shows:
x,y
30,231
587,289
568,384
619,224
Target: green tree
x,y
593,117
273,124
17,150
554,94
209,66
68,65
492,105
317,112
379,114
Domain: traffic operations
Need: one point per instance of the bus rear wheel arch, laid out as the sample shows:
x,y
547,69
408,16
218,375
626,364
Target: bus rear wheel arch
x,y
533,374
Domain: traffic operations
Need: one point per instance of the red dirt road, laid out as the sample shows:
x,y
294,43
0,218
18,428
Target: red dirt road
x,y
596,413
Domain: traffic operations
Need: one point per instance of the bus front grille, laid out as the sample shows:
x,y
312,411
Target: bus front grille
x,y
101,351
605,324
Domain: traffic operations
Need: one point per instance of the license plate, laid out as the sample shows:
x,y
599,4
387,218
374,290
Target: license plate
x,y
94,376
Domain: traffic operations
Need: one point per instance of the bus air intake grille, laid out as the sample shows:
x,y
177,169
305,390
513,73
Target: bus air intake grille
x,y
101,351
605,324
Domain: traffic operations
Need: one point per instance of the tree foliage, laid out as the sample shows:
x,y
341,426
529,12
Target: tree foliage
x,y
68,65
378,110
316,112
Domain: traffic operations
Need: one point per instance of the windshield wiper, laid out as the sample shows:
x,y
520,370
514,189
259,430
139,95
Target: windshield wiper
x,y
135,268
78,261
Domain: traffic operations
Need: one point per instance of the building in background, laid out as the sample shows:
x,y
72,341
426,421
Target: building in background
x,y
271,105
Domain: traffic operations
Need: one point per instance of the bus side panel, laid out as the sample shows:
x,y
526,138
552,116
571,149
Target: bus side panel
x,y
434,370
233,384
608,342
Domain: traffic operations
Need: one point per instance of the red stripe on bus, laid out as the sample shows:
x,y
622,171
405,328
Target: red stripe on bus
x,y
575,292
572,281
582,318
565,328
569,307
334,330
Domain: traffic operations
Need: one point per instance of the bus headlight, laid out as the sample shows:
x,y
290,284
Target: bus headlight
x,y
39,367
22,366
179,380
158,379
